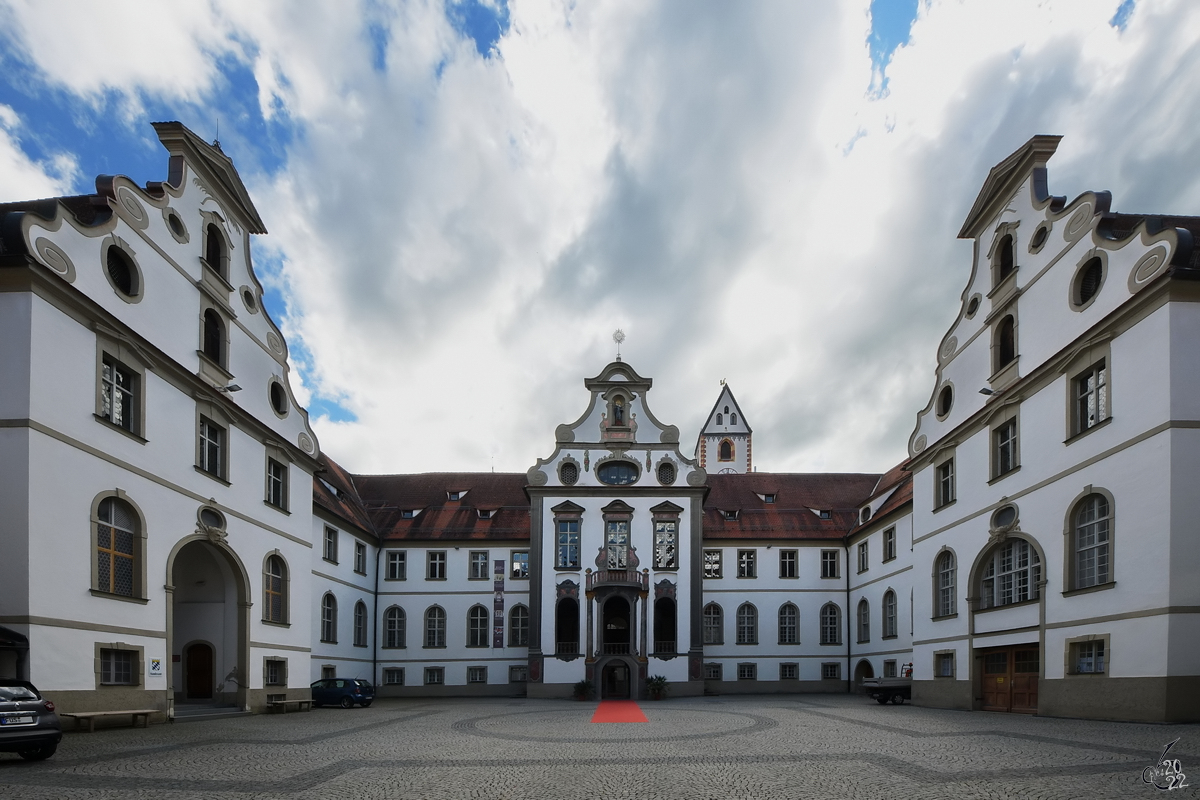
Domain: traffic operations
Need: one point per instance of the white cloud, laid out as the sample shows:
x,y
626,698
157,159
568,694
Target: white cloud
x,y
460,235
24,177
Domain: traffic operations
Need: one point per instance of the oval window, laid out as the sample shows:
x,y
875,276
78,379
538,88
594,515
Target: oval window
x,y
666,473
568,473
279,400
945,401
1004,517
617,473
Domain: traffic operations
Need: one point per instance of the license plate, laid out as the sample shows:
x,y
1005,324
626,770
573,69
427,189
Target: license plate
x,y
19,719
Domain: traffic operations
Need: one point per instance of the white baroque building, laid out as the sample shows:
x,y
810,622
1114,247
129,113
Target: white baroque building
x,y
181,543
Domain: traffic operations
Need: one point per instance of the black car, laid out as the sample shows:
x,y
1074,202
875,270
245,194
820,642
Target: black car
x,y
345,692
28,724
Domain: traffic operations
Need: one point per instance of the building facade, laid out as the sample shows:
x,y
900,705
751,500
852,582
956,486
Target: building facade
x,y
181,542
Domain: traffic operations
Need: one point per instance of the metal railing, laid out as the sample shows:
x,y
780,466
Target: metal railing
x,y
665,648
618,577
615,648
567,648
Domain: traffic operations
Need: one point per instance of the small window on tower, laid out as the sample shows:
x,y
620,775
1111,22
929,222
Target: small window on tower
x,y
725,451
720,420
733,419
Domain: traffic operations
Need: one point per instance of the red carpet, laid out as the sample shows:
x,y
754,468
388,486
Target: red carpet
x,y
618,711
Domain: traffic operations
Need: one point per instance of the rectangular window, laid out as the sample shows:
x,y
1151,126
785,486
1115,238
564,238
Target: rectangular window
x,y
435,569
945,482
889,668
212,447
328,672
712,563
331,545
397,565
889,544
1091,397
360,558
274,672
117,667
618,544
518,674
747,672
665,540
118,393
1089,657
1004,440
863,557
746,564
479,565
520,565
789,672
435,676
277,481
831,672
568,544
789,563
476,674
829,564
712,672
944,665
394,676
768,498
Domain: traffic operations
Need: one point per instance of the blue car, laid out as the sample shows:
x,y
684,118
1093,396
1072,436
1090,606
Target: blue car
x,y
344,692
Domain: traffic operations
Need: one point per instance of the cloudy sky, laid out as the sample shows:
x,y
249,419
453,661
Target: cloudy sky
x,y
465,199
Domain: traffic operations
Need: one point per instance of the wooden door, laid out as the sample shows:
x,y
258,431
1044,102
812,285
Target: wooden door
x,y
1025,680
199,665
1010,679
997,682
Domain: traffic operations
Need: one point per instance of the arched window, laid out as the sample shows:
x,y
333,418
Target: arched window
x,y
947,595
714,624
864,620
360,624
117,546
214,336
566,626
518,627
789,624
1005,261
720,419
393,627
1006,341
1090,544
747,624
725,451
477,627
214,249
329,619
831,626
1010,575
435,627
889,614
275,589
733,419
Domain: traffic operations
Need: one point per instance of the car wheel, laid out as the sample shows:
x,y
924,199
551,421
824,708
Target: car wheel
x,y
367,704
881,700
347,702
898,699
40,753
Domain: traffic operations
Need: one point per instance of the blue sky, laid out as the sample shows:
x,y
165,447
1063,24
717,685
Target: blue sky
x,y
465,199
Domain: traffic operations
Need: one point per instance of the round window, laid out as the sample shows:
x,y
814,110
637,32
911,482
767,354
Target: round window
x,y
1004,517
120,271
1039,238
212,518
249,301
972,306
617,473
279,400
945,401
1088,280
176,225
666,473
568,473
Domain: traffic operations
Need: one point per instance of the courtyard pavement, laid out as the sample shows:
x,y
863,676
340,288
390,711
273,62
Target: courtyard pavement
x,y
760,747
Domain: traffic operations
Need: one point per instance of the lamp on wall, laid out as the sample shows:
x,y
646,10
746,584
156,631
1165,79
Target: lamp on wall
x,y
230,389
986,392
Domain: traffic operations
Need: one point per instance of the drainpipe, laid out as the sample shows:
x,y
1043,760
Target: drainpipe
x,y
375,619
849,626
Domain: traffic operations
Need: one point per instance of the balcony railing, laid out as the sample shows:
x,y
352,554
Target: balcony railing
x,y
567,649
664,648
615,648
618,577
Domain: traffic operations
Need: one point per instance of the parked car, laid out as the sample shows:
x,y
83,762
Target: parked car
x,y
345,692
28,724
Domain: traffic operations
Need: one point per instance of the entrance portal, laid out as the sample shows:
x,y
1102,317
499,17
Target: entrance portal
x,y
863,671
198,669
618,632
614,681
1010,678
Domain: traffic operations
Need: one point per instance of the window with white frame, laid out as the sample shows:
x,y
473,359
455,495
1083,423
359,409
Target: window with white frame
x,y
1091,542
394,624
789,564
1004,444
360,624
118,667
520,565
435,627
789,624
478,565
889,668
831,624
789,672
360,558
889,544
712,672
478,627
275,590
863,557
1010,575
747,624
747,672
747,563
476,674
435,676
435,565
119,394
518,627
831,672
330,551
947,595
864,621
275,672
212,448
277,484
829,564
518,673
712,563
397,565
568,544
665,543
944,483
713,624
1087,658
1090,393
329,619
889,614
944,664
394,676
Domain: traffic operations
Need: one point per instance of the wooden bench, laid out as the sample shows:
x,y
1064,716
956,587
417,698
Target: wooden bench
x,y
90,717
282,705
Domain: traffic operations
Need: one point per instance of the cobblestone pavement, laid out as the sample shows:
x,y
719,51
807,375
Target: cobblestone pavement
x,y
760,747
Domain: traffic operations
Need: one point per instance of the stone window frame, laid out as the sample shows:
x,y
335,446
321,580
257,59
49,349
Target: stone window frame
x,y
1075,299
940,609
477,674
281,676
1037,573
746,624
137,280
732,451
889,666
277,395
215,370
209,412
360,557
212,221
945,401
518,673
474,562
284,589
617,512
786,667
436,565
747,563
360,624
119,353
1009,414
864,556
515,640
393,573
1005,372
945,479
863,628
789,556
136,669
518,573
889,544
329,618
1001,279
712,671
393,676
276,458
140,537
1084,363
479,627
718,570
435,676
831,671
747,671
329,545
940,658
831,565
395,628
666,513
890,615
709,629
434,631
794,626
568,512
1071,647
1070,534
826,627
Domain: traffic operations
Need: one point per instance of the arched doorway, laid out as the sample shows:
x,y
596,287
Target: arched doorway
x,y
615,681
208,625
618,632
863,671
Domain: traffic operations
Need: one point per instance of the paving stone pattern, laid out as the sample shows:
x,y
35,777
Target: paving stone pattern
x,y
694,749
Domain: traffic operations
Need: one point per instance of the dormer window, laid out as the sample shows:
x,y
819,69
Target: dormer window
x,y
407,513
825,514
486,513
729,515
455,495
768,498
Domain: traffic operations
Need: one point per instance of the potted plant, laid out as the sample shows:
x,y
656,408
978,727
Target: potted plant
x,y
657,687
583,690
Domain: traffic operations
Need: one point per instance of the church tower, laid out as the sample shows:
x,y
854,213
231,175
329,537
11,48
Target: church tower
x,y
725,442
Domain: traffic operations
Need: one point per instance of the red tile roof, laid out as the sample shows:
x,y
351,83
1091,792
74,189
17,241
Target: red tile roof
x,y
386,497
343,501
795,514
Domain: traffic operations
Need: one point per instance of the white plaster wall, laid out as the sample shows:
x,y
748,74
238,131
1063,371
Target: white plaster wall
x,y
16,321
63,659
